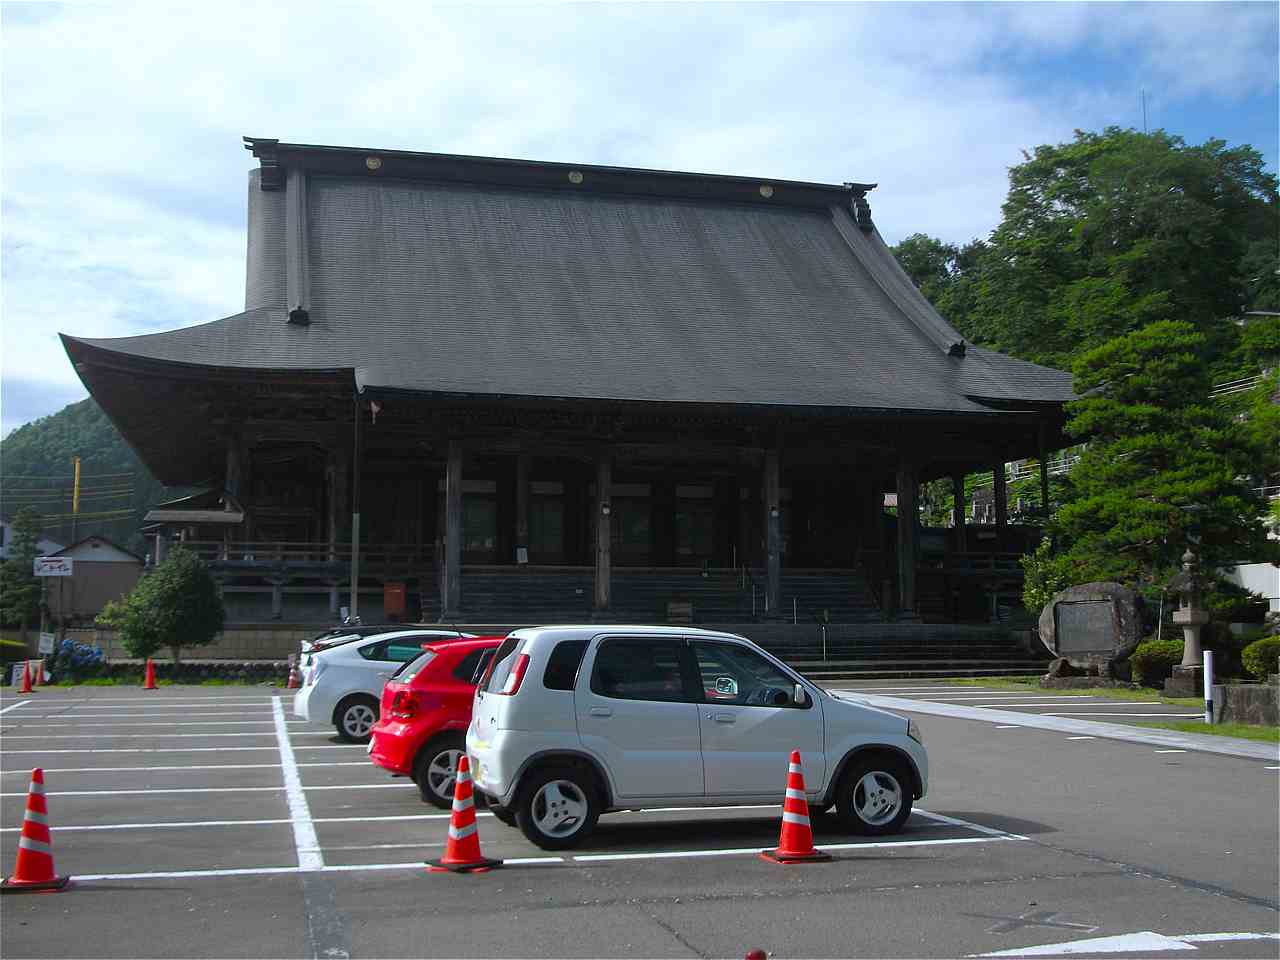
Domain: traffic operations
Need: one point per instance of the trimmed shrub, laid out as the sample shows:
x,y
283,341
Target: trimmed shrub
x,y
1260,657
1154,660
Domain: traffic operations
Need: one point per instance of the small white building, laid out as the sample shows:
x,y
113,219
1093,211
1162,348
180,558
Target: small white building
x,y
6,537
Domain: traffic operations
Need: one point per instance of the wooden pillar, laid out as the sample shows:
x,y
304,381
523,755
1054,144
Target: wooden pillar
x,y
773,533
522,508
604,530
161,541
357,469
908,540
961,509
1044,473
1000,495
451,595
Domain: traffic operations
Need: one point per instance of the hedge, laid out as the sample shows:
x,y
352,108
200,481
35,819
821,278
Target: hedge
x,y
1260,657
1154,660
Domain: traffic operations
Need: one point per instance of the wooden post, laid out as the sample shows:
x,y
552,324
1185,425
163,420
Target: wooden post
x,y
451,598
773,533
908,540
1000,494
957,493
522,506
1044,474
357,465
604,530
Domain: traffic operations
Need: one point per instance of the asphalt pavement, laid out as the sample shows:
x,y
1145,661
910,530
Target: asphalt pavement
x,y
207,822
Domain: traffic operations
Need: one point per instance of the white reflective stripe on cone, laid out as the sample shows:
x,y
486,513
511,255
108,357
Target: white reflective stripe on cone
x,y
36,817
463,833
36,788
794,768
795,794
35,846
789,817
466,804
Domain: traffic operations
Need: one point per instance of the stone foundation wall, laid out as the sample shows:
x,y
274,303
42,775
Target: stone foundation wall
x,y
1247,703
245,642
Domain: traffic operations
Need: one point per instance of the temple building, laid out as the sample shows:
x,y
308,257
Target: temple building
x,y
496,391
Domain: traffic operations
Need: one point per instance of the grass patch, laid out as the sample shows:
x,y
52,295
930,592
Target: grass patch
x,y
1243,731
1032,685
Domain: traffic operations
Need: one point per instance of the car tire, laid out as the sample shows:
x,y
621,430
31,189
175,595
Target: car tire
x,y
503,815
429,768
558,807
874,795
354,718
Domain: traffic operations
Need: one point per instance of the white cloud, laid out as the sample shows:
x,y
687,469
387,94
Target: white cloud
x,y
124,181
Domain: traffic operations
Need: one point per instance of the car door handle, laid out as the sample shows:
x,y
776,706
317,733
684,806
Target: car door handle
x,y
600,712
722,717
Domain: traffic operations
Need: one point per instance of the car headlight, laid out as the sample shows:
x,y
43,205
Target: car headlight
x,y
913,731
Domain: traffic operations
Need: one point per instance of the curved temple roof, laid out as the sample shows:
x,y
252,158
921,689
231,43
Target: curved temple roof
x,y
457,275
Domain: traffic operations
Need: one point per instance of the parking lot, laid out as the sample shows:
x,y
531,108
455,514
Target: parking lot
x,y
207,822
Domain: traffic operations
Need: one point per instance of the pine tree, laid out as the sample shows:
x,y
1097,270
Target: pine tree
x,y
19,586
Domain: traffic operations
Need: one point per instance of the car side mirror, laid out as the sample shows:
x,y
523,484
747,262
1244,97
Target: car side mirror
x,y
799,696
726,686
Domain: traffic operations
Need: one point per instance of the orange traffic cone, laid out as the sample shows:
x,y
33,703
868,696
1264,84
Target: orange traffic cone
x,y
294,681
34,870
26,677
795,845
462,852
150,682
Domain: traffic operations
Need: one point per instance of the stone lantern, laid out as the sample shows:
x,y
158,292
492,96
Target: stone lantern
x,y
1191,616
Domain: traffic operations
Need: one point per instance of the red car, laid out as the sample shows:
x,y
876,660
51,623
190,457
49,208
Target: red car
x,y
426,709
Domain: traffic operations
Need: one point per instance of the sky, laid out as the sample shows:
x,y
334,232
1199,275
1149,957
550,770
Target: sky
x,y
123,192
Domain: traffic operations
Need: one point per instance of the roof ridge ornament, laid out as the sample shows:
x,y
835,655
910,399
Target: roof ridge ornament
x,y
859,206
264,148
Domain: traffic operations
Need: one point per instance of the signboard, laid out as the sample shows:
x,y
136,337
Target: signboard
x,y
46,643
1086,627
52,566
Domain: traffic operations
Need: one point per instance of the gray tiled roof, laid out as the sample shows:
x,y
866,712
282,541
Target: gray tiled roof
x,y
480,289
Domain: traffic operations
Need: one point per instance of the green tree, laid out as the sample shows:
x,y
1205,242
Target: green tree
x,y
19,586
1165,467
1120,229
176,605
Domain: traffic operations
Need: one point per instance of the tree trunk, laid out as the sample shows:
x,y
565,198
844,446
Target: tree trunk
x,y
176,650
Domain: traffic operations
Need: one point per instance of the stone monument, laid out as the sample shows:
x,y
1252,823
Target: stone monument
x,y
1093,627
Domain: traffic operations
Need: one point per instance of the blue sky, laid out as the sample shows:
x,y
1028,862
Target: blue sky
x,y
123,193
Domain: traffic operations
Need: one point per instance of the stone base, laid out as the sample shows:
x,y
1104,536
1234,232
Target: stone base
x,y
1246,703
1187,681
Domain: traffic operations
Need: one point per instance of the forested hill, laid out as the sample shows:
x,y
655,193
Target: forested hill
x,y
116,490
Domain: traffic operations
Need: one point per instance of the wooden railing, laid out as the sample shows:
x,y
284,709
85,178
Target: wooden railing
x,y
277,552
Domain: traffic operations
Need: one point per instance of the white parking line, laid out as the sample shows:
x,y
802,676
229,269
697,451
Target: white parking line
x,y
266,871
1168,716
1082,738
183,824
15,706
738,851
126,793
1073,702
1007,726
154,716
304,831
106,725
322,746
100,736
210,766
1169,751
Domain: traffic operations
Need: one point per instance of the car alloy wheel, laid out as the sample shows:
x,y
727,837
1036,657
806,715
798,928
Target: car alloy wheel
x,y
356,721
558,807
442,775
874,795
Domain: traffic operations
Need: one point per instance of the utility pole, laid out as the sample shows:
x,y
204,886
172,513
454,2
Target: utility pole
x,y
75,497
1142,92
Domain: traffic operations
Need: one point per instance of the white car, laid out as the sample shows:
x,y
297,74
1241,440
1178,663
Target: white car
x,y
342,685
571,722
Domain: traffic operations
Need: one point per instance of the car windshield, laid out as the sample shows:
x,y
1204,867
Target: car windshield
x,y
410,668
